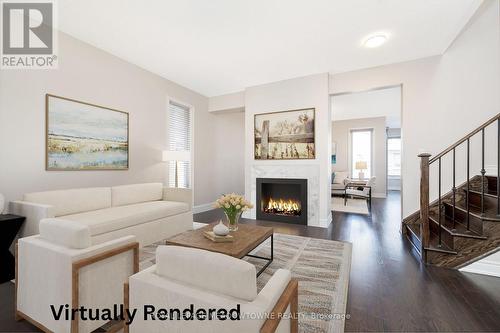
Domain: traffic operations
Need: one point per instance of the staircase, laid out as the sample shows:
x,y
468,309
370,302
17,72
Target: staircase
x,y
462,225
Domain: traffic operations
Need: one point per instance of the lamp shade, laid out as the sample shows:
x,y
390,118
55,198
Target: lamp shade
x,y
176,155
361,165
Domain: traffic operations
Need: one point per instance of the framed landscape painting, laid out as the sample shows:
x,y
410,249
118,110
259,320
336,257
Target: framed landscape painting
x,y
285,135
83,136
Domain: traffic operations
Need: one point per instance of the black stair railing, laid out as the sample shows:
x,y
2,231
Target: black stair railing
x,y
425,163
454,190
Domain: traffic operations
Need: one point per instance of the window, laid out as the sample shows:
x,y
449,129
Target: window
x,y
361,153
394,157
179,138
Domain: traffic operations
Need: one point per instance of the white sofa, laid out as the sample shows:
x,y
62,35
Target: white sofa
x,y
184,276
339,181
149,211
61,266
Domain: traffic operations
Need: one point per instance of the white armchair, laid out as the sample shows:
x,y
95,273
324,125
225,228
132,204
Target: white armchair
x,y
61,266
361,191
185,276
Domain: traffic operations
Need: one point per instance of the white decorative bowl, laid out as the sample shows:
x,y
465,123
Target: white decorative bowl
x,y
220,229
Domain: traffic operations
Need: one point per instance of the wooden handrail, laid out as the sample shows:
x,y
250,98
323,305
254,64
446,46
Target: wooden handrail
x,y
425,161
424,204
462,140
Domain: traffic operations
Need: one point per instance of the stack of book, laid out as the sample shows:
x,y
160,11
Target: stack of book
x,y
217,239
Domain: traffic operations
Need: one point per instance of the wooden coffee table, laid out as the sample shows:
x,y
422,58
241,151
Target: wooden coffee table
x,y
246,239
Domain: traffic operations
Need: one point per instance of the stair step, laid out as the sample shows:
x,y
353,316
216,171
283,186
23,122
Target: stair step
x,y
490,198
475,222
435,247
492,183
413,235
457,230
490,213
415,238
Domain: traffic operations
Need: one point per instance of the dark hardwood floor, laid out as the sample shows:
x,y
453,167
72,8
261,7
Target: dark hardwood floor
x,y
389,289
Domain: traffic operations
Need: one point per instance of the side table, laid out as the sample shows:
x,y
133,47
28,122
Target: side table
x,y
9,227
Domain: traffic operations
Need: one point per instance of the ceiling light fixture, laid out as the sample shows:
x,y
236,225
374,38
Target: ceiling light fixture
x,y
375,41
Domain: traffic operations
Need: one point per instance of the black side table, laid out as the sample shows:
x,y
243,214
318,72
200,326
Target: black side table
x,y
9,227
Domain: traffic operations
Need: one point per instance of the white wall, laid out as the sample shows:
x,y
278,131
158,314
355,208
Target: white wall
x,y
444,97
227,102
305,92
369,104
341,135
487,266
229,153
92,75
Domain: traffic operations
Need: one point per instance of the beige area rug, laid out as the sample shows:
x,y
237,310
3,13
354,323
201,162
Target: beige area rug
x,y
322,268
355,206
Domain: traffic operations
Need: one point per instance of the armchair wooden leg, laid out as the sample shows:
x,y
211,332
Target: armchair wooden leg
x,y
17,317
126,304
294,309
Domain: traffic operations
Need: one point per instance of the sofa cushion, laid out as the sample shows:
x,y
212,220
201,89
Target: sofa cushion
x,y
206,270
66,233
340,177
136,193
110,219
73,200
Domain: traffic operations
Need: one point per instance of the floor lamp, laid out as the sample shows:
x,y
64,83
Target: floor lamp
x,y
176,156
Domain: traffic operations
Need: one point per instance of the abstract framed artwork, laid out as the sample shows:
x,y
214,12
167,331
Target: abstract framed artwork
x,y
84,136
285,135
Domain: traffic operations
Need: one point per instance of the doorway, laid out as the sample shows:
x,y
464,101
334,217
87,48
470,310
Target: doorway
x,y
366,147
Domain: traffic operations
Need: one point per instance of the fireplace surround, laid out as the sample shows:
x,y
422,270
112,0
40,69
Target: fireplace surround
x,y
282,200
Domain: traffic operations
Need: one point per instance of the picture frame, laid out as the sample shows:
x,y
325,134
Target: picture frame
x,y
285,135
334,152
81,136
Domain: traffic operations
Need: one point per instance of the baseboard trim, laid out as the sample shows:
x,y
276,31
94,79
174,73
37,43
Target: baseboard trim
x,y
203,208
484,267
324,223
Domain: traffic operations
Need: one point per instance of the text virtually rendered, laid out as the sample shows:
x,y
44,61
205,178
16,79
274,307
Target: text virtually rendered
x,y
149,312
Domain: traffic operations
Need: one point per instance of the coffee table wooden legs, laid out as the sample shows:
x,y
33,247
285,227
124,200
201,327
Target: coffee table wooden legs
x,y
269,260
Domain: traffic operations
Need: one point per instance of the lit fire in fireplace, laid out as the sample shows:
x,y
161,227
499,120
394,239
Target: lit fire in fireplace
x,y
282,207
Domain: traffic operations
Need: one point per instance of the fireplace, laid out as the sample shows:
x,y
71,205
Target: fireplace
x,y
282,200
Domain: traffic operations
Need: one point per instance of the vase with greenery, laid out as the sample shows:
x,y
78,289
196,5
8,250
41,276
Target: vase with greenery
x,y
233,205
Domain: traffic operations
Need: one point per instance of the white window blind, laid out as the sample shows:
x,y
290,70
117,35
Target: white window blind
x,y
179,138
394,157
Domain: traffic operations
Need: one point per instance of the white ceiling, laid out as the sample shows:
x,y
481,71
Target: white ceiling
x,y
221,46
368,104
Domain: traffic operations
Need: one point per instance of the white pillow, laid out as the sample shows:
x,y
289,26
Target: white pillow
x,y
73,201
136,193
340,176
65,232
207,270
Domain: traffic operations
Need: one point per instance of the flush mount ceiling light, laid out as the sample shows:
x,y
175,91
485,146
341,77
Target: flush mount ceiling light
x,y
375,40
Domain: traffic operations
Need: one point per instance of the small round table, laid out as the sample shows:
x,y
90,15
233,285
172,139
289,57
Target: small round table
x,y
9,227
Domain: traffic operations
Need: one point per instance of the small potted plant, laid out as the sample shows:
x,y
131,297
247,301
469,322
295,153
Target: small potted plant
x,y
233,205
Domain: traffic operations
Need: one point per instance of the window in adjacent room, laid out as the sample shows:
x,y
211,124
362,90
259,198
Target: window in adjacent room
x,y
361,153
179,139
394,157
